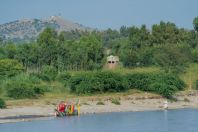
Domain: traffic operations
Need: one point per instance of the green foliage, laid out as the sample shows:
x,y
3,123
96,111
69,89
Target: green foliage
x,y
11,50
98,82
195,23
186,100
100,103
9,68
63,77
171,58
23,86
115,101
48,73
195,55
2,104
163,84
164,33
196,84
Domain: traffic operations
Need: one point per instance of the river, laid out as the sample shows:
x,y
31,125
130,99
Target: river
x,y
181,120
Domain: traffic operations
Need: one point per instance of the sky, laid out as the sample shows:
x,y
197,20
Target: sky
x,y
103,14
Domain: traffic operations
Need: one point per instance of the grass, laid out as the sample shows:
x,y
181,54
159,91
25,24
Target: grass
x,y
190,76
138,70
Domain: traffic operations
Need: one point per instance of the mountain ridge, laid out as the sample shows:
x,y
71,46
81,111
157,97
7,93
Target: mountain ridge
x,y
29,29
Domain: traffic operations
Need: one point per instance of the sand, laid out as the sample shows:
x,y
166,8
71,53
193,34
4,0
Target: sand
x,y
89,106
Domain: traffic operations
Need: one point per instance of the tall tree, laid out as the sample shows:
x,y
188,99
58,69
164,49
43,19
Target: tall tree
x,y
195,23
48,43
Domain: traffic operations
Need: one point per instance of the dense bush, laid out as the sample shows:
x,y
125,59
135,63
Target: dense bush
x,y
63,77
100,103
195,55
24,86
48,73
161,83
2,104
9,68
196,83
98,82
115,101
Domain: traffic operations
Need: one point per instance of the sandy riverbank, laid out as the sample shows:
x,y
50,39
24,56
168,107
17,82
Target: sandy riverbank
x,y
89,105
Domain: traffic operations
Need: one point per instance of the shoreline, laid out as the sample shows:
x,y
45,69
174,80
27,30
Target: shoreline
x,y
89,106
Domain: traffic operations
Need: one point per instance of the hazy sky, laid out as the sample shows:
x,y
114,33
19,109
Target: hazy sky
x,y
104,13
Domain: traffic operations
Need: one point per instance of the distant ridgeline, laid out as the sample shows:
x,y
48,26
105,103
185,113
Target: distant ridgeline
x,y
26,30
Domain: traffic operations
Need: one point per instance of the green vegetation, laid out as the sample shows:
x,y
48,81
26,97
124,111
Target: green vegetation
x,y
48,73
186,100
115,101
72,62
196,83
24,86
164,84
2,104
190,76
100,103
98,82
102,82
9,68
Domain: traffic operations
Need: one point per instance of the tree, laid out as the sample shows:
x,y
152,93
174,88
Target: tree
x,y
139,37
48,43
124,31
195,23
10,67
165,33
172,58
10,49
195,55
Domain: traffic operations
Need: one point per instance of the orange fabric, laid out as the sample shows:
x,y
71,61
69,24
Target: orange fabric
x,y
72,110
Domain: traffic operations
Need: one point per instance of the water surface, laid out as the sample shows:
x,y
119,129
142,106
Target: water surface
x,y
183,120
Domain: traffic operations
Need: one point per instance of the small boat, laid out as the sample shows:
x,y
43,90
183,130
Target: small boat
x,y
67,109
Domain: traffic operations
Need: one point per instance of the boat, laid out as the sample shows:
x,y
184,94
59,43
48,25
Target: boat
x,y
67,109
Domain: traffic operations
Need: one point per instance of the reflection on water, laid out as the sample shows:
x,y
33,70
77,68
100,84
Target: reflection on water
x,y
183,120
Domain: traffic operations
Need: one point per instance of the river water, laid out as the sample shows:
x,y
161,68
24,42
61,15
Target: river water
x,y
182,120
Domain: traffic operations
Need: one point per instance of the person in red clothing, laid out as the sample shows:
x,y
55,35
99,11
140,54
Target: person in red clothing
x,y
61,107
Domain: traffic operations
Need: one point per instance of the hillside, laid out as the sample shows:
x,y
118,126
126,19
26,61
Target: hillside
x,y
28,29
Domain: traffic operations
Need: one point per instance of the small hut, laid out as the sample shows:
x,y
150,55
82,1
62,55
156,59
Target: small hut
x,y
112,62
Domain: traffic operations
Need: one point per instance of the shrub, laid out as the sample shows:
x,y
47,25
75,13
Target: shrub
x,y
115,101
195,55
21,91
48,73
186,100
163,89
2,104
138,80
9,68
63,77
100,103
98,82
161,83
196,83
23,86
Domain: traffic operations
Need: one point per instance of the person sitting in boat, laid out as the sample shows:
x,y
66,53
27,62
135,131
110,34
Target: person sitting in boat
x,y
60,111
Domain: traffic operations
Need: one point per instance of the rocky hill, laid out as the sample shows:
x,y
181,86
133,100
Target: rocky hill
x,y
29,29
